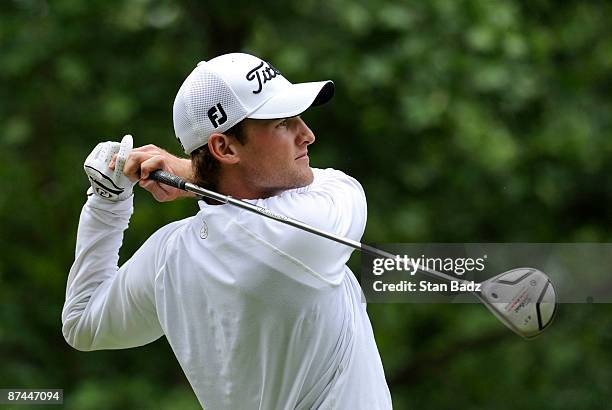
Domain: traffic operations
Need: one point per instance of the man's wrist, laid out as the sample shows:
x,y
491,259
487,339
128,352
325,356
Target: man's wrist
x,y
124,206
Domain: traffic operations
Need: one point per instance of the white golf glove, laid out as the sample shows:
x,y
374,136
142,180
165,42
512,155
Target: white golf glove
x,y
106,183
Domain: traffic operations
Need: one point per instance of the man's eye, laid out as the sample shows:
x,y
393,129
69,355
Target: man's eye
x,y
283,123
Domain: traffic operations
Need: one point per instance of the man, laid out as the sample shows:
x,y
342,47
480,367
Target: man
x,y
258,314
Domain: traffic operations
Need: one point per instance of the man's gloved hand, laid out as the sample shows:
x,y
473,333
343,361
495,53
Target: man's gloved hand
x,y
105,182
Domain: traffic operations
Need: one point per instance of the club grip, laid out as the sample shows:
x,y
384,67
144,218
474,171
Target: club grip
x,y
167,178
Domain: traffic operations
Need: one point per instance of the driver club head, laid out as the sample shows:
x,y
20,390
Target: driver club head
x,y
523,299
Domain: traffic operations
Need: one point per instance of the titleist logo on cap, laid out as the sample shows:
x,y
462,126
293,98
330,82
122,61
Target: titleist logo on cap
x,y
262,75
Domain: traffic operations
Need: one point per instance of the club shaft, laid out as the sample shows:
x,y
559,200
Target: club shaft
x,y
177,182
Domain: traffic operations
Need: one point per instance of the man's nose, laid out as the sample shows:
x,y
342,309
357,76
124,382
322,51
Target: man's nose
x,y
305,135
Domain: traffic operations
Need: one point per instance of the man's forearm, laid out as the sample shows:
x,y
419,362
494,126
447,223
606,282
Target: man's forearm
x,y
183,168
99,238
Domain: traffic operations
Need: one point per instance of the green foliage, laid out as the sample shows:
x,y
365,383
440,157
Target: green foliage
x,y
465,121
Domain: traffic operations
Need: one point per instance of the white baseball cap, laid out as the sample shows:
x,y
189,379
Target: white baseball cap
x,y
221,92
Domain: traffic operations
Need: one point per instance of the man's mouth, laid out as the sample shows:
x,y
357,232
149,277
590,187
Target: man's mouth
x,y
304,155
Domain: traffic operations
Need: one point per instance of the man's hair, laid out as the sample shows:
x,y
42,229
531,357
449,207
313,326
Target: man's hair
x,y
205,166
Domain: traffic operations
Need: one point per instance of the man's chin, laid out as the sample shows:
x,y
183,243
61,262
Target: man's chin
x,y
301,180
308,177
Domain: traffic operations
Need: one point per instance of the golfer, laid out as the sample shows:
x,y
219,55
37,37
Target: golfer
x,y
259,315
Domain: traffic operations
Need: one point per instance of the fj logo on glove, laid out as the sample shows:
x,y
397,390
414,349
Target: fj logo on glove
x,y
217,115
100,183
262,75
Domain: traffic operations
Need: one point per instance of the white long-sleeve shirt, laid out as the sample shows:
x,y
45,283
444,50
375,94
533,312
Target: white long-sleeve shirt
x,y
260,315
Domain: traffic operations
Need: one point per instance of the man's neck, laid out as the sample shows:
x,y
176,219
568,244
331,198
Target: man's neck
x,y
239,188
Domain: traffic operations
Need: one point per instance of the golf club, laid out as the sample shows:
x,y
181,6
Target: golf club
x,y
523,299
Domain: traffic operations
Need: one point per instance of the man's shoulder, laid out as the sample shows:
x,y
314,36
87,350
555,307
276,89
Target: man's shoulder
x,y
329,184
331,175
323,173
335,179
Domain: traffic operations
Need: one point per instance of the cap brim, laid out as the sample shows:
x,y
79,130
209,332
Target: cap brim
x,y
294,100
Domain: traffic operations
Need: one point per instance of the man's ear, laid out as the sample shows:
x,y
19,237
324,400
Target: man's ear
x,y
223,148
